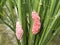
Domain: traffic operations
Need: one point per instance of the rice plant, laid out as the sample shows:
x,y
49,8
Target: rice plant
x,y
48,11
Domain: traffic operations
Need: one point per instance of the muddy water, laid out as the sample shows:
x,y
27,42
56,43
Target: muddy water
x,y
7,37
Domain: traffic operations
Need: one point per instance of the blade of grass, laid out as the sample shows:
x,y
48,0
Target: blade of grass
x,y
50,10
54,34
30,39
19,11
57,7
11,7
24,21
8,25
50,28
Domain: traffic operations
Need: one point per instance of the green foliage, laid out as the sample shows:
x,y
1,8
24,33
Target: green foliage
x,y
48,10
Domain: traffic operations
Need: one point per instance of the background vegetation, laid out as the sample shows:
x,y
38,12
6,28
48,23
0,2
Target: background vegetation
x,y
48,10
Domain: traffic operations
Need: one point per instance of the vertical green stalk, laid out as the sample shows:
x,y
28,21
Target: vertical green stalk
x,y
23,19
19,13
19,9
18,41
24,22
36,7
54,34
49,29
31,36
39,6
57,7
48,16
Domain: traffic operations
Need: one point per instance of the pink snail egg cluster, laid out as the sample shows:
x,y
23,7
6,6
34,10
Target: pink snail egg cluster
x,y
36,23
19,30
35,28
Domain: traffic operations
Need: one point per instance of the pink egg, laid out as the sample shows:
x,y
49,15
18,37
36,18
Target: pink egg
x,y
19,30
36,23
